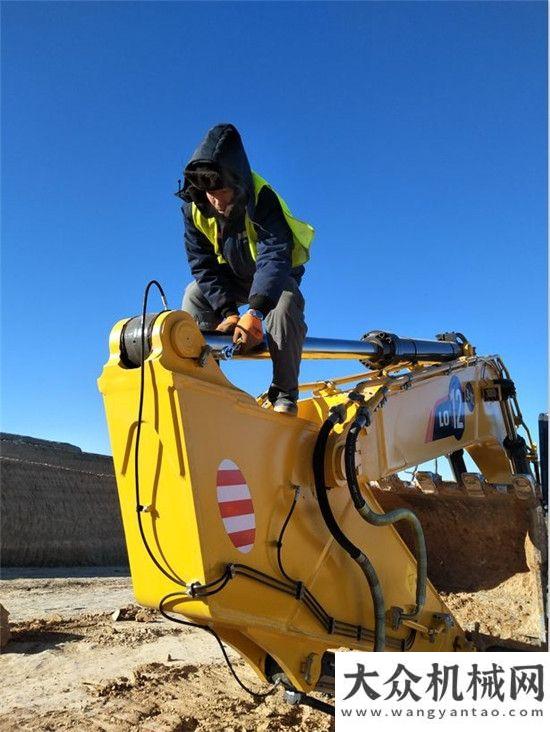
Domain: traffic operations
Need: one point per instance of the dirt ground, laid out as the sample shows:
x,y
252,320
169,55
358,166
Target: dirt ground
x,y
70,666
509,611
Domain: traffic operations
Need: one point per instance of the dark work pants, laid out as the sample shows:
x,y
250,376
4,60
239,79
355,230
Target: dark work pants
x,y
285,329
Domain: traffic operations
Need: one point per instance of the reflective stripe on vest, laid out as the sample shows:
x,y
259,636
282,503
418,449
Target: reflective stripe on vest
x,y
302,233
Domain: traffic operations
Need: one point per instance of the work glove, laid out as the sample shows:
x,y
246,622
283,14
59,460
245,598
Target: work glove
x,y
227,326
249,332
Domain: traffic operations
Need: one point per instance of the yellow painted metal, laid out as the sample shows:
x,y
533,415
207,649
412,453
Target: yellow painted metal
x,y
194,418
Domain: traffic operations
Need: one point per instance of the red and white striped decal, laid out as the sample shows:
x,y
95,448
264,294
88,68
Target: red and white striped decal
x,y
235,504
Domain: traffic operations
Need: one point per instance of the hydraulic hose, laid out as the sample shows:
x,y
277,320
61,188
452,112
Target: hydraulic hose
x,y
355,553
384,519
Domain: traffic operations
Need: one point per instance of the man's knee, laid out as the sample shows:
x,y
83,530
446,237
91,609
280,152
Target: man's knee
x,y
192,297
291,299
198,306
288,315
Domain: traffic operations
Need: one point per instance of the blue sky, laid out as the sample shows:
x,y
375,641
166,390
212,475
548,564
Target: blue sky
x,y
412,135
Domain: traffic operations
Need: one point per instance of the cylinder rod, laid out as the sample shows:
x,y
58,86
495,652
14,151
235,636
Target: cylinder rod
x,y
314,348
406,349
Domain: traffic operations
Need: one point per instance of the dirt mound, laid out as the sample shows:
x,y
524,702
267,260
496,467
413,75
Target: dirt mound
x,y
190,697
49,505
473,543
159,698
485,557
508,611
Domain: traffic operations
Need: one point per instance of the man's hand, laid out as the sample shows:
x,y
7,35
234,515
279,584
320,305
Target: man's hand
x,y
227,326
249,332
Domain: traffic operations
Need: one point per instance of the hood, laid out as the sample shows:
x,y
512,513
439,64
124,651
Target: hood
x,y
223,150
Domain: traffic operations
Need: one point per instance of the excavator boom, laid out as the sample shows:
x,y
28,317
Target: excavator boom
x,y
294,536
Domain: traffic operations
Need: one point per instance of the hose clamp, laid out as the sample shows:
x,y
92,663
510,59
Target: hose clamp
x,y
337,414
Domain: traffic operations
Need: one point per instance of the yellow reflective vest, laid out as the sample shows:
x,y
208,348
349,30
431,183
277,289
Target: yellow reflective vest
x,y
302,233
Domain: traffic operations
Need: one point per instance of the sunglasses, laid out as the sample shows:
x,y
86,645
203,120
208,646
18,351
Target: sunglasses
x,y
205,180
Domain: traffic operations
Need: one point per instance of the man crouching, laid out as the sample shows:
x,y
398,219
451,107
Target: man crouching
x,y
245,247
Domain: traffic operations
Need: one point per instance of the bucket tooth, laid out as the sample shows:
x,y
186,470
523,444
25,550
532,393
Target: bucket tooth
x,y
428,482
524,486
473,484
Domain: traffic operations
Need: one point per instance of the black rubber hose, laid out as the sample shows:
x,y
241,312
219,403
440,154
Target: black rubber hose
x,y
384,519
255,694
311,701
355,553
139,507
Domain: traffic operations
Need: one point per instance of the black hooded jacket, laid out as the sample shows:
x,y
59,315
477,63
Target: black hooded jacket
x,y
264,279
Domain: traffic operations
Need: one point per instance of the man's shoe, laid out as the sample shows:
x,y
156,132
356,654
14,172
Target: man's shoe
x,y
285,405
